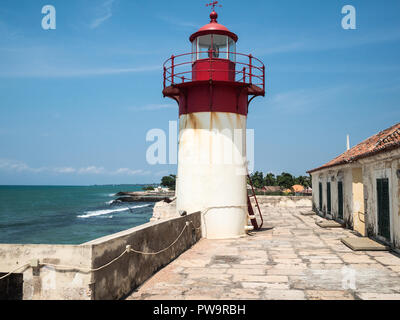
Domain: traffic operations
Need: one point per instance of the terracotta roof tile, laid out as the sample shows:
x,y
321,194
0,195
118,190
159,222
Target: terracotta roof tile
x,y
383,141
297,188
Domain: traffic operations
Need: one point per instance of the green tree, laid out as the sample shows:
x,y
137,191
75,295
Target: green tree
x,y
285,180
270,180
258,179
169,182
148,188
304,181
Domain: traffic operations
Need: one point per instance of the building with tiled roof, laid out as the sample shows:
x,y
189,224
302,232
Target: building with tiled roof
x,y
360,187
382,142
272,189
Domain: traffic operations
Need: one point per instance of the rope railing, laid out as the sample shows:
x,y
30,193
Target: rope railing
x,y
127,250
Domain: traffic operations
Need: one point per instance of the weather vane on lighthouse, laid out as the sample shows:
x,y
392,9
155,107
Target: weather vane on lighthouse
x,y
213,5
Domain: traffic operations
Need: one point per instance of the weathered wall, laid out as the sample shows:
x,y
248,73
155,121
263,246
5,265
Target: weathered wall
x,y
290,202
46,283
113,282
212,171
164,210
360,193
358,202
133,269
334,175
382,166
348,197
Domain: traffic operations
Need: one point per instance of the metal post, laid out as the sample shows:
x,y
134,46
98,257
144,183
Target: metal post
x,y
210,54
244,74
172,69
250,68
263,77
165,74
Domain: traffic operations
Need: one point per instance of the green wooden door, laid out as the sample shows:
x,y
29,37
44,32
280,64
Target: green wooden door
x,y
383,208
328,197
340,200
320,196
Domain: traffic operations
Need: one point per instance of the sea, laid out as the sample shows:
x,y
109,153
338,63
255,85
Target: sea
x,y
67,215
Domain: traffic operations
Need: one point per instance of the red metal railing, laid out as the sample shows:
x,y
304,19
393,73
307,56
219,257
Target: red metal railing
x,y
248,69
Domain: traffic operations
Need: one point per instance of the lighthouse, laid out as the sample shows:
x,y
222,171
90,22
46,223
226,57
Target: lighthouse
x,y
214,85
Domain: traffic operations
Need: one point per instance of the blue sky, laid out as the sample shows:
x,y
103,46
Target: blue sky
x,y
76,102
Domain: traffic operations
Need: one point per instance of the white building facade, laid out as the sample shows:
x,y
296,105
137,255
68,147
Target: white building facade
x,y
361,188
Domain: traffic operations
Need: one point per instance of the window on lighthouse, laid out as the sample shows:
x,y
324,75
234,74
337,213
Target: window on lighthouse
x,y
214,46
232,50
204,44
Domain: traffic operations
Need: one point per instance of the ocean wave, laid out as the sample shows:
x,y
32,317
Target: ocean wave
x,y
96,213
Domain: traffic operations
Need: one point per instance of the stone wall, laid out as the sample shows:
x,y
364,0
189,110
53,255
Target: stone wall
x,y
282,201
46,283
133,269
113,282
163,210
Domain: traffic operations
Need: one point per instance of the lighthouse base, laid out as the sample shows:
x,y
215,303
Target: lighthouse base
x,y
224,223
212,172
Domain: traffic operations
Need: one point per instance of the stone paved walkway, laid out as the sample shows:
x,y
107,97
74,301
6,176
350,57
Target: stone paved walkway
x,y
295,260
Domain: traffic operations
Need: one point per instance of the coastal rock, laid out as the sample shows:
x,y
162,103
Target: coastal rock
x,y
165,210
143,199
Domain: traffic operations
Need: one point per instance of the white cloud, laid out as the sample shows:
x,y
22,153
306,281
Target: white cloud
x,y
64,170
14,166
105,13
91,170
129,172
17,166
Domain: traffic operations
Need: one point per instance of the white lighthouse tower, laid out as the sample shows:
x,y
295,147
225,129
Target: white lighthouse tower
x,y
213,86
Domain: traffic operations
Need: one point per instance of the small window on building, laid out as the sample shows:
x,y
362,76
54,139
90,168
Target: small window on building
x,y
340,200
328,198
320,196
383,200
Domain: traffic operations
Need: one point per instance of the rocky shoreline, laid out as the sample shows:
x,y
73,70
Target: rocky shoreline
x,y
144,196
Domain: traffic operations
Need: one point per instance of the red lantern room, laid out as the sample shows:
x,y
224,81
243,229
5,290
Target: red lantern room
x,y
213,76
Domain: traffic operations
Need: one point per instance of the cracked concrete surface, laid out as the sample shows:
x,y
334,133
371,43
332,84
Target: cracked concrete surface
x,y
296,260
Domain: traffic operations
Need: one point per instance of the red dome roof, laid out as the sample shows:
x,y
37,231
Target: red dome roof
x,y
214,28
